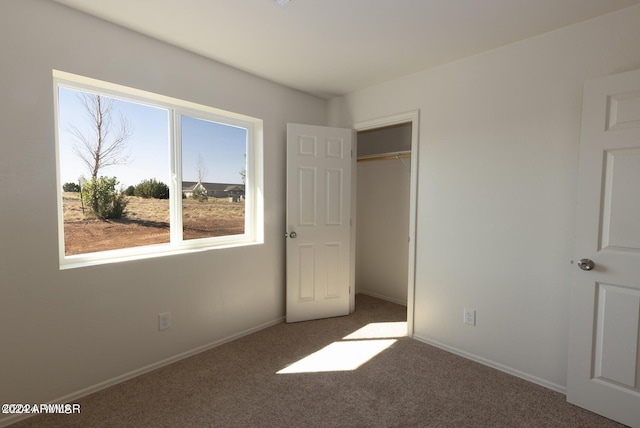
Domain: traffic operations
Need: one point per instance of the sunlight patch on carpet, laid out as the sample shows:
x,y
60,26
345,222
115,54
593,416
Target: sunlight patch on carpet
x,y
339,356
353,351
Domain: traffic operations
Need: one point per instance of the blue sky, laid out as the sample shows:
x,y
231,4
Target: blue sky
x,y
222,147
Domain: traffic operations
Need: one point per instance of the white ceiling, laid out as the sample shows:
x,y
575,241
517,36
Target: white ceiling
x,y
332,47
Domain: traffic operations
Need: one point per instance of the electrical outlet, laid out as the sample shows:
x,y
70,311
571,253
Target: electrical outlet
x,y
469,316
164,320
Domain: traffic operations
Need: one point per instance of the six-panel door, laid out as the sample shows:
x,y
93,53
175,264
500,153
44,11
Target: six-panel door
x,y
318,221
604,357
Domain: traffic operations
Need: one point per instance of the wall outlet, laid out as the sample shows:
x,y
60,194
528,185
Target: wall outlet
x,y
164,320
469,316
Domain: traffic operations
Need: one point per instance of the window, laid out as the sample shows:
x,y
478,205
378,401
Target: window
x,y
141,174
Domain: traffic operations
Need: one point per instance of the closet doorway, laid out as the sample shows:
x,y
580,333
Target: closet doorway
x,y
387,164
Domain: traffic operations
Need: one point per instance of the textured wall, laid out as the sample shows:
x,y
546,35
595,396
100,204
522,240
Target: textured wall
x,y
499,138
63,331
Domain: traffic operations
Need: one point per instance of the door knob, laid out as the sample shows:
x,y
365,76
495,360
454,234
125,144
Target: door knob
x,y
586,264
293,235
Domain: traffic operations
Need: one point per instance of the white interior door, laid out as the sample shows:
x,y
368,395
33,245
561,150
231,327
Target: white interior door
x,y
604,359
320,256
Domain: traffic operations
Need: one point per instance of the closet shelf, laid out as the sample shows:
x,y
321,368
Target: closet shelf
x,y
388,156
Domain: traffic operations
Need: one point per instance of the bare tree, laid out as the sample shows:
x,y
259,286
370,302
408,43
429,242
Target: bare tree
x,y
105,144
201,166
243,171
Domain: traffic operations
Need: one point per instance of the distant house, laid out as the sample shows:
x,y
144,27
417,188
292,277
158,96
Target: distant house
x,y
188,189
216,190
235,192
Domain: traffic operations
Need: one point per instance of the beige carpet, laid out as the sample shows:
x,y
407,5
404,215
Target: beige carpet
x,y
410,384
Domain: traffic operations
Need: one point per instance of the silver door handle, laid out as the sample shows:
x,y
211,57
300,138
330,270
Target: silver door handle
x,y
293,235
586,264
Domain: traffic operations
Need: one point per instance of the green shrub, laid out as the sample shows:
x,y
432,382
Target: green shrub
x,y
200,194
152,189
102,199
130,191
71,187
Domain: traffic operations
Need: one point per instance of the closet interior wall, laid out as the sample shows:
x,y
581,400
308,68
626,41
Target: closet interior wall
x,y
382,226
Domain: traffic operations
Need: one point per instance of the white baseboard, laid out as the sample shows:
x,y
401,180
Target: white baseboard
x,y
510,370
381,297
135,373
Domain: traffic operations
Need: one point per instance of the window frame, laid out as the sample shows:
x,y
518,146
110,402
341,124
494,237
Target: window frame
x,y
176,108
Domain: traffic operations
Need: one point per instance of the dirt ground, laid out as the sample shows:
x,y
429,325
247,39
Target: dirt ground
x,y
147,223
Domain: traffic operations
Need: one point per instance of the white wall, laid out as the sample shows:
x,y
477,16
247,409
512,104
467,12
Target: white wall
x,y
62,331
382,228
499,138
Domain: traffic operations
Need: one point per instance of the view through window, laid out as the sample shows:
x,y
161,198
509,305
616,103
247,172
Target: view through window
x,y
213,172
149,174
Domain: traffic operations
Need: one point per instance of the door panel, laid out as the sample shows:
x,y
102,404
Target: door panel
x,y
604,354
617,338
307,191
319,262
621,225
333,196
306,272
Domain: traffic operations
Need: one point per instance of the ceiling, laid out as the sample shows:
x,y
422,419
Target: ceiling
x,y
332,47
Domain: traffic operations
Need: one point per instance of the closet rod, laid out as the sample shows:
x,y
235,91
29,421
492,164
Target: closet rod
x,y
386,157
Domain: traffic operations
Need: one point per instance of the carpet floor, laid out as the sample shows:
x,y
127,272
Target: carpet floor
x,y
407,384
